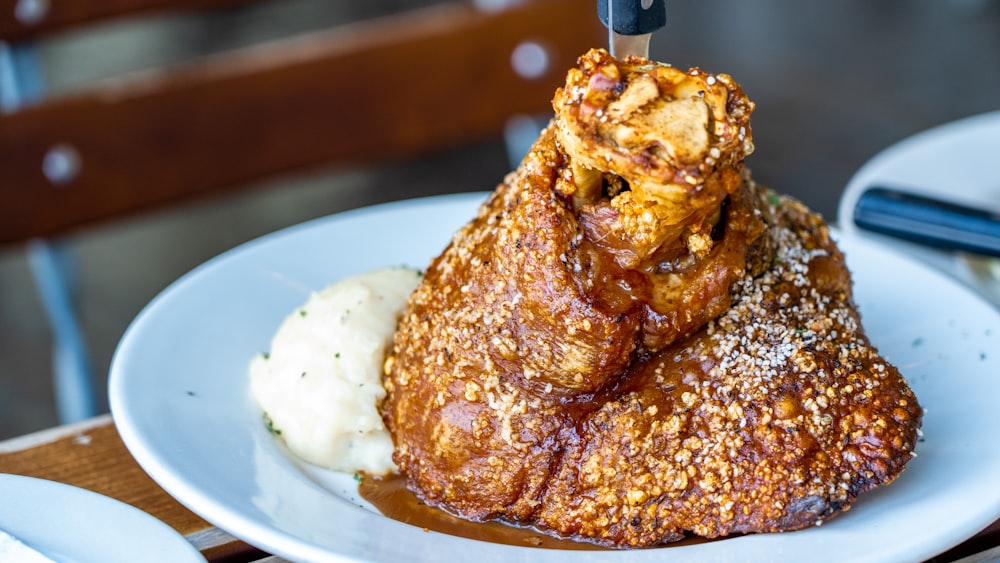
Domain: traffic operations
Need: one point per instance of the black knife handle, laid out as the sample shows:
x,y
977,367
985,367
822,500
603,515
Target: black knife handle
x,y
634,17
928,221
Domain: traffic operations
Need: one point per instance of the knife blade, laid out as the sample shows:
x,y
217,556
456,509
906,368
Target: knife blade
x,y
928,221
631,23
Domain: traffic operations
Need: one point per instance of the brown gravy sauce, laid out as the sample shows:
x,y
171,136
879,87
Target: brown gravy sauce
x,y
391,497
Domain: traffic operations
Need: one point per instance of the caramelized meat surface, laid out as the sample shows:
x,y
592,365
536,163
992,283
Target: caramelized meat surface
x,y
632,341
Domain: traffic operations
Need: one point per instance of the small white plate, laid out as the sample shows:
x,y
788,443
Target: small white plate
x,y
955,162
180,397
68,523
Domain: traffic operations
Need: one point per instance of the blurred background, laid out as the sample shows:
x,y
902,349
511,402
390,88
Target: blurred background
x,y
835,82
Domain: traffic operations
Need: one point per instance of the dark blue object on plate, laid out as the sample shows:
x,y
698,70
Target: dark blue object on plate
x,y
928,221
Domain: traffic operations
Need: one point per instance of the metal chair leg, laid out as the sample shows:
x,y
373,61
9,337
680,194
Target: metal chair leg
x,y
519,133
52,265
51,262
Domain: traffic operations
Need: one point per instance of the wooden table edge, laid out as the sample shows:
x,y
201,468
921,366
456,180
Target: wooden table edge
x,y
90,454
52,445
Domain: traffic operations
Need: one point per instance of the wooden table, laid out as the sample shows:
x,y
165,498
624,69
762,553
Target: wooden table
x,y
91,455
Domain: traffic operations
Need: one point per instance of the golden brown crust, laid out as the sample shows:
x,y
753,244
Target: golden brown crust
x,y
676,139
774,417
562,367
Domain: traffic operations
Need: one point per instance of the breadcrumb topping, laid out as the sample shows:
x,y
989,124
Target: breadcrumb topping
x,y
562,367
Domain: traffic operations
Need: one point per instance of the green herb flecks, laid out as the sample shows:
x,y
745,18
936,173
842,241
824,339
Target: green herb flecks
x,y
270,425
652,66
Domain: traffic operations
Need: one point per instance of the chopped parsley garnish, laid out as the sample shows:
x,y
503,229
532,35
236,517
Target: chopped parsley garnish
x,y
652,66
270,425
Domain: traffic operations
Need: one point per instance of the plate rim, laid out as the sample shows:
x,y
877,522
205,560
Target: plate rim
x,y
79,501
267,537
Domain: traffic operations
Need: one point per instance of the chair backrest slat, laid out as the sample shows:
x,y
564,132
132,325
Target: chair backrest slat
x,y
379,90
22,20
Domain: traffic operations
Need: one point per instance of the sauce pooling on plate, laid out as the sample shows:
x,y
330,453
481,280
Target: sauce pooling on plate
x,y
391,497
393,500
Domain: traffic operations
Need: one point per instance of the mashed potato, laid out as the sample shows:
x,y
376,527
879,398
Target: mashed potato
x,y
322,380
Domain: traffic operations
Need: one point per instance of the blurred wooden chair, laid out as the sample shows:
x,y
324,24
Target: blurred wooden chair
x,y
371,91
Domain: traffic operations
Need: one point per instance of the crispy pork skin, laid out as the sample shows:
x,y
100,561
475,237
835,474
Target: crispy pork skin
x,y
632,341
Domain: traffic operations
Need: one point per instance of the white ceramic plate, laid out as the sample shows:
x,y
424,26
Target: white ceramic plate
x,y
956,162
180,398
68,523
